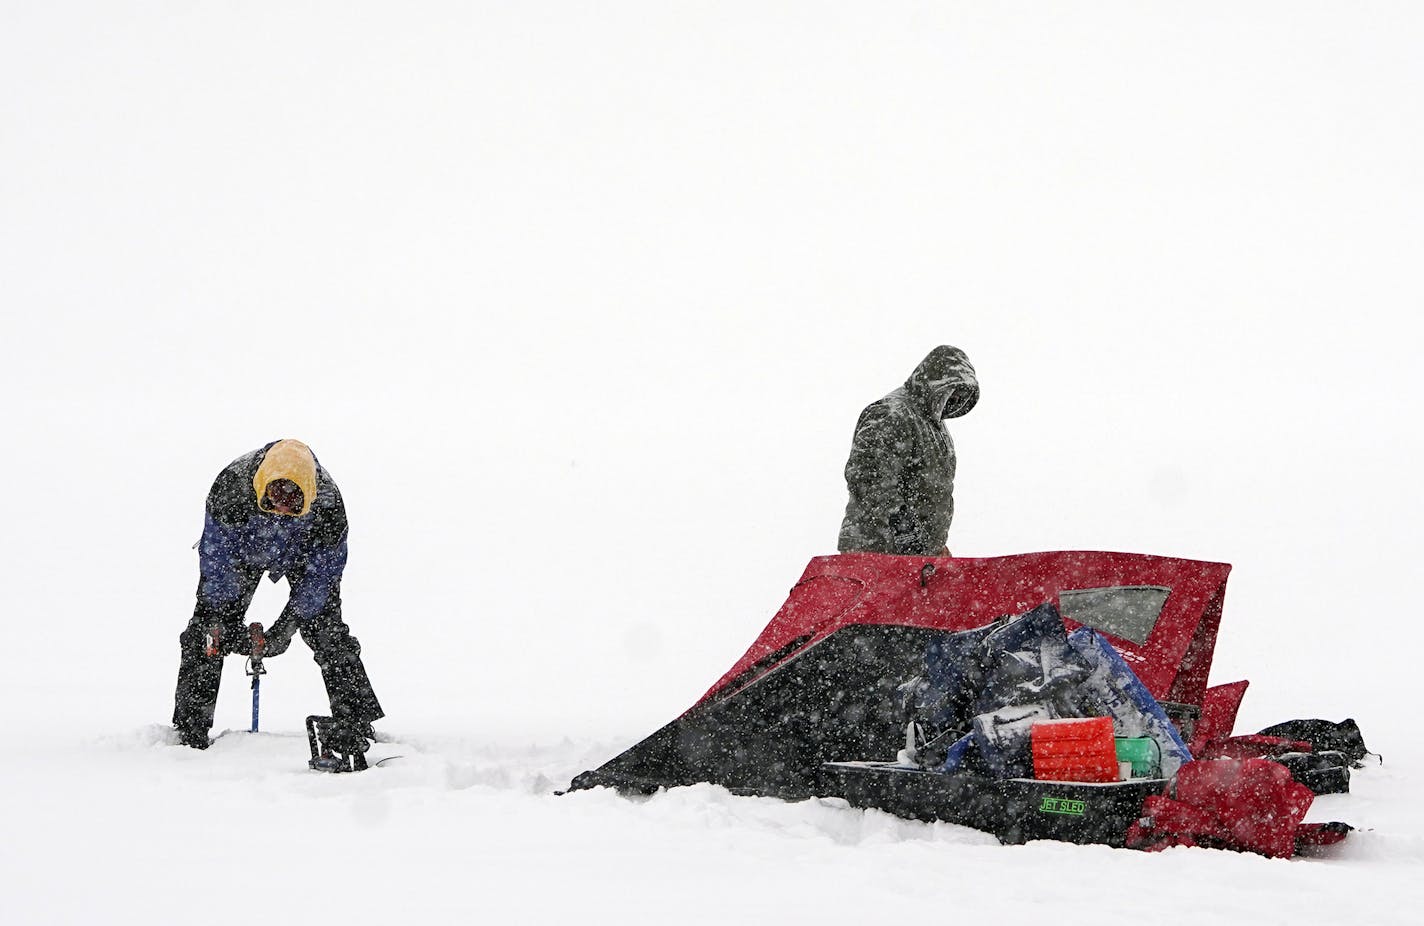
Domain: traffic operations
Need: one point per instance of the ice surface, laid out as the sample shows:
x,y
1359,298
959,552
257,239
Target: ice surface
x,y
125,827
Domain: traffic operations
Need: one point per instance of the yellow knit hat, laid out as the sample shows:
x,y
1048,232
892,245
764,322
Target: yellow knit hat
x,y
288,459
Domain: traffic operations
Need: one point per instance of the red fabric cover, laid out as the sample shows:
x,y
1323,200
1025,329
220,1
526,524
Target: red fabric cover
x,y
1320,834
956,593
1249,805
1218,714
1174,817
1213,739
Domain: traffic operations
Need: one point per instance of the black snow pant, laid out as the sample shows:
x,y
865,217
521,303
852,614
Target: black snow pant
x,y
336,651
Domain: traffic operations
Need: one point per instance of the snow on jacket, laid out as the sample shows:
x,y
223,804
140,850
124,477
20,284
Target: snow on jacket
x,y
308,548
900,474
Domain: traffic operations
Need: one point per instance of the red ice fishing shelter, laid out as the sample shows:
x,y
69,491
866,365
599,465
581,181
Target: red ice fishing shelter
x,y
1161,614
820,683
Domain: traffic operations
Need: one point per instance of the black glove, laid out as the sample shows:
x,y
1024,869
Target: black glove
x,y
279,636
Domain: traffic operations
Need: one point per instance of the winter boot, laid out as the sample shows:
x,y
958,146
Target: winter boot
x,y
338,745
349,737
195,737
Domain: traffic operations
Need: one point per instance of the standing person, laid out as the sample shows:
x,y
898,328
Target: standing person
x,y
274,510
900,474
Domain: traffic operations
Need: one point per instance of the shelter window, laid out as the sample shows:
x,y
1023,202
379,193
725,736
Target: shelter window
x,y
1126,611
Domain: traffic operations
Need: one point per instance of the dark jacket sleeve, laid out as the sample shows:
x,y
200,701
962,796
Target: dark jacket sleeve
x,y
220,582
875,473
322,573
218,550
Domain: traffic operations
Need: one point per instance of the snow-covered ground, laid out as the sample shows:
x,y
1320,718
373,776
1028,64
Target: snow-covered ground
x,y
125,827
578,303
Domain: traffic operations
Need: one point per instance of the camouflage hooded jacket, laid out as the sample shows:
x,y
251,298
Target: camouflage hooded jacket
x,y
900,474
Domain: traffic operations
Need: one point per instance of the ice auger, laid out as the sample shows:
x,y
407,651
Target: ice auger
x,y
254,668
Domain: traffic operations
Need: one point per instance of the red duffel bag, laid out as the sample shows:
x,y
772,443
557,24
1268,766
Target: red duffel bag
x,y
1251,805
